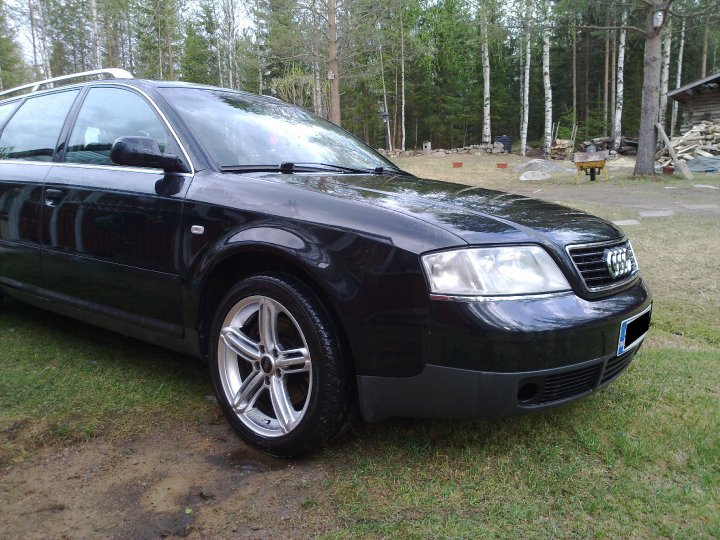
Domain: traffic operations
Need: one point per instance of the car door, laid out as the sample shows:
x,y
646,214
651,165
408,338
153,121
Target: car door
x,y
111,234
31,129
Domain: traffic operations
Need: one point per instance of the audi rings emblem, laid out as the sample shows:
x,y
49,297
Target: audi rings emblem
x,y
618,260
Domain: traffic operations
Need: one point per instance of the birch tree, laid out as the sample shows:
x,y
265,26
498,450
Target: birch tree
x,y
620,81
546,78
525,99
486,132
96,33
678,78
665,71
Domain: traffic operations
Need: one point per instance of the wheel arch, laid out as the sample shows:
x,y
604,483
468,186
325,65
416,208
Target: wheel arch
x,y
245,260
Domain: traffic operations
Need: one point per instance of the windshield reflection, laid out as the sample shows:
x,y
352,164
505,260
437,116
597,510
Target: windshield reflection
x,y
241,129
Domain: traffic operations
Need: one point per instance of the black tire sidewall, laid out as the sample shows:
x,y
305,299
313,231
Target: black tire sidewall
x,y
313,430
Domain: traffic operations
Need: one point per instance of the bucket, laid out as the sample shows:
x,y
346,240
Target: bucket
x,y
501,165
457,164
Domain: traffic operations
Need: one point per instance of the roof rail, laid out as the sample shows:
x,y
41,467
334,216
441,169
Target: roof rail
x,y
114,73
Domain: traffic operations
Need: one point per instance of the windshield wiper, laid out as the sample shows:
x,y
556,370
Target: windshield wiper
x,y
282,167
359,170
289,168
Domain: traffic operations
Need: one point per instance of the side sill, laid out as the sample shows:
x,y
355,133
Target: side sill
x,y
182,340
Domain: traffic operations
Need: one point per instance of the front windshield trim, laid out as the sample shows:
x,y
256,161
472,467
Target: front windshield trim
x,y
370,161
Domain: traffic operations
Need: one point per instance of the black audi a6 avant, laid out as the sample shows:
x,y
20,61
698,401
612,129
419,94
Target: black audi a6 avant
x,y
314,276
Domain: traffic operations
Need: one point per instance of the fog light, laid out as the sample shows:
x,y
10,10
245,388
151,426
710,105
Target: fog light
x,y
527,392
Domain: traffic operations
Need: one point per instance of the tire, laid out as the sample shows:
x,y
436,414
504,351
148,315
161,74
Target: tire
x,y
272,339
592,174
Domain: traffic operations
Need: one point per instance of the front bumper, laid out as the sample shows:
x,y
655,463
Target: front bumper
x,y
504,358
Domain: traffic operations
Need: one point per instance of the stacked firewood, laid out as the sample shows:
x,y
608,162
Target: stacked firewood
x,y
628,145
562,149
703,139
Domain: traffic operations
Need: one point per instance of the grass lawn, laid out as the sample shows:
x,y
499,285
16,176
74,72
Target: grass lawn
x,y
640,459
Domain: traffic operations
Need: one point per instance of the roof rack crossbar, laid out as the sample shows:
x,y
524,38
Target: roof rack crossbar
x,y
115,73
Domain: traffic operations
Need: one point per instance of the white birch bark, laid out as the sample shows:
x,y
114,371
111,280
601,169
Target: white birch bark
x,y
613,74
678,78
96,34
620,82
486,132
546,79
665,71
44,50
31,12
526,84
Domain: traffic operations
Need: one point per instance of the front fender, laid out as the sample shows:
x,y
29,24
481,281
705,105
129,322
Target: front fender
x,y
376,290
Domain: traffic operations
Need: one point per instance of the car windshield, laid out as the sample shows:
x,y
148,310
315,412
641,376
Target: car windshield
x,y
241,131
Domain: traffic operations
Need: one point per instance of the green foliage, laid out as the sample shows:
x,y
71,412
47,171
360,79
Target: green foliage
x,y
13,69
199,61
284,47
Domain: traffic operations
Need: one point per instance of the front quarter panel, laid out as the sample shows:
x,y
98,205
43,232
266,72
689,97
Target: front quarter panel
x,y
373,281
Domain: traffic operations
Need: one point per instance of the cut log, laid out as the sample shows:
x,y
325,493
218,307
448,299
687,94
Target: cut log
x,y
681,166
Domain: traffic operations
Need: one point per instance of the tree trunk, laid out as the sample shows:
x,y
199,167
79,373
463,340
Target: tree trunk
x,y
333,64
703,61
586,99
613,73
387,119
665,71
44,50
526,83
32,34
620,79
652,64
546,79
96,34
486,132
402,84
574,73
605,82
678,78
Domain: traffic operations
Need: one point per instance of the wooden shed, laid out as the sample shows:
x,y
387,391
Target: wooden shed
x,y
700,100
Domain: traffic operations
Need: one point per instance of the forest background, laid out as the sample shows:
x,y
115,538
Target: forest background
x,y
453,72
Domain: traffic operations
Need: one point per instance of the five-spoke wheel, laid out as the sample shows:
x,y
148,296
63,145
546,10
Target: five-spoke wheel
x,y
277,366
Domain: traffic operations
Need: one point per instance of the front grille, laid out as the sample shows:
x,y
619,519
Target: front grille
x,y
569,384
593,269
616,366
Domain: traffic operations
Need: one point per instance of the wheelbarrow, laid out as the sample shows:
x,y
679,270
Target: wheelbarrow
x,y
591,163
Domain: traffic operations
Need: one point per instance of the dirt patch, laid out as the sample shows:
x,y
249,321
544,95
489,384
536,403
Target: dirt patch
x,y
194,482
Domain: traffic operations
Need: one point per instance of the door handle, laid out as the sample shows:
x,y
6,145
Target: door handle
x,y
53,197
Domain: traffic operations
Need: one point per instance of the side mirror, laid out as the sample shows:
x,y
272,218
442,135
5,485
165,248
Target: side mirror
x,y
144,152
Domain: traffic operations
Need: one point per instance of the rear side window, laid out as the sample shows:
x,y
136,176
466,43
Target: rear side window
x,y
32,133
109,113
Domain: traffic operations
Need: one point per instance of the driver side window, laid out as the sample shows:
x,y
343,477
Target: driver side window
x,y
107,114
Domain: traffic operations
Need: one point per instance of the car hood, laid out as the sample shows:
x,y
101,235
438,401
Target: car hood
x,y
474,214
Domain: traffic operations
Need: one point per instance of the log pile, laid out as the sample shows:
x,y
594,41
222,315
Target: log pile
x,y
562,149
475,149
702,140
628,145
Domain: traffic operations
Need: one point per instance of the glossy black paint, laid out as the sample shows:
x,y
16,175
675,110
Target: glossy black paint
x,y
114,246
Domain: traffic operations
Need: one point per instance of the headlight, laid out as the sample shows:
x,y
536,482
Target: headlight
x,y
494,271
